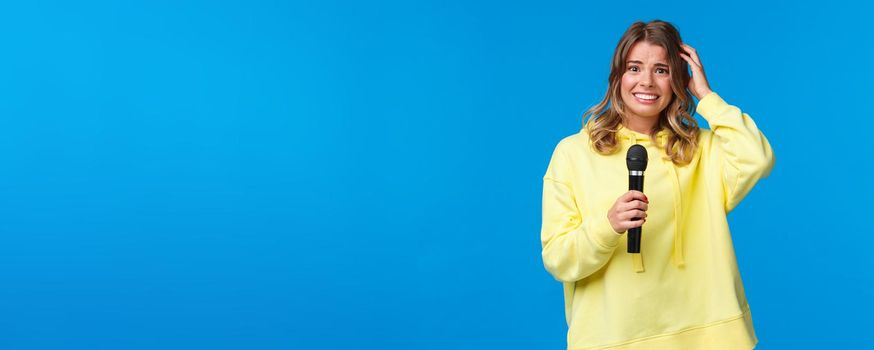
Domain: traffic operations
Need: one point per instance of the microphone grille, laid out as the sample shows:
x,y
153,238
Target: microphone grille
x,y
636,158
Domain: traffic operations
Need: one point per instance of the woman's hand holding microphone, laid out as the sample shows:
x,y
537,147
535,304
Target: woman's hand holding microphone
x,y
629,211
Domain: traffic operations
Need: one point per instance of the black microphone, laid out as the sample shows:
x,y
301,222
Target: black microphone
x,y
636,159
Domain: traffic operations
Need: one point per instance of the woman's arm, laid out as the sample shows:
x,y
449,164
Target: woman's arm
x,y
573,246
741,150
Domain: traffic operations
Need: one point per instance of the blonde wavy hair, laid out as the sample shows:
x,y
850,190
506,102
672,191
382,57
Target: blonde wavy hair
x,y
677,118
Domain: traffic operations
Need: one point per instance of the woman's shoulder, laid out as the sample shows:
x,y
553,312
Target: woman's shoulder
x,y
704,136
574,141
574,147
569,153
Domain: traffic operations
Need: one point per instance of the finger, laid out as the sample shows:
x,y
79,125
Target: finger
x,y
638,223
692,66
635,205
693,54
691,62
641,205
631,213
688,59
687,47
634,215
697,71
634,194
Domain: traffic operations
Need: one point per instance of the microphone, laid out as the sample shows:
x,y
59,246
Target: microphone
x,y
635,159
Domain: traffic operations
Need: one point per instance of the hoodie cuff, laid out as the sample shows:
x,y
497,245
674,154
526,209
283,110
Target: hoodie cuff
x,y
602,232
710,105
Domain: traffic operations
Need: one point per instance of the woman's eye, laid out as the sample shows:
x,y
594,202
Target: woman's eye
x,y
658,70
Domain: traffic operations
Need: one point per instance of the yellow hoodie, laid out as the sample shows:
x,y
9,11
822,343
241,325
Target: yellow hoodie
x,y
684,290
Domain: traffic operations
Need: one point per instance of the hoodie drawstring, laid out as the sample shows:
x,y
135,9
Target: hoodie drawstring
x,y
677,253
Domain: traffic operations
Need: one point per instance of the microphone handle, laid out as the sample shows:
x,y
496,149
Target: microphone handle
x,y
635,182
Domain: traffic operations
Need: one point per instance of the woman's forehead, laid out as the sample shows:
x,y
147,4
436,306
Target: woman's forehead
x,y
646,52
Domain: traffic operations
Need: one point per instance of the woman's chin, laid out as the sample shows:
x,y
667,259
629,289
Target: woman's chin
x,y
647,113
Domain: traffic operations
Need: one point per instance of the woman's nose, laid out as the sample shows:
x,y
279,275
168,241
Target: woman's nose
x,y
646,79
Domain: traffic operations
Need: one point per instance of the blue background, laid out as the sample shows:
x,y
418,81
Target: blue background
x,y
335,175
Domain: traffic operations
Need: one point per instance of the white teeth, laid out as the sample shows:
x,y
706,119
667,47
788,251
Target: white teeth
x,y
646,97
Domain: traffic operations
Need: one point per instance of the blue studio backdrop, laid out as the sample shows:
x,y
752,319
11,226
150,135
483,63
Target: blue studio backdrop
x,y
368,175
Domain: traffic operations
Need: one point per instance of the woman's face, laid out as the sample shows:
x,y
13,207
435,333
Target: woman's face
x,y
646,75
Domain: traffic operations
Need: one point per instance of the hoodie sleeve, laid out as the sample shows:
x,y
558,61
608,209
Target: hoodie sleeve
x,y
743,153
573,246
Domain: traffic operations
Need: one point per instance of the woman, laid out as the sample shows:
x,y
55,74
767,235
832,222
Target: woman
x,y
683,290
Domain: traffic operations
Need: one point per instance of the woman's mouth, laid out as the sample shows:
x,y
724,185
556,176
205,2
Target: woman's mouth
x,y
646,99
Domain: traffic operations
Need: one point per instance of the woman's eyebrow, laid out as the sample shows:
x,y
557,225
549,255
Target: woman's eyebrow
x,y
659,64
